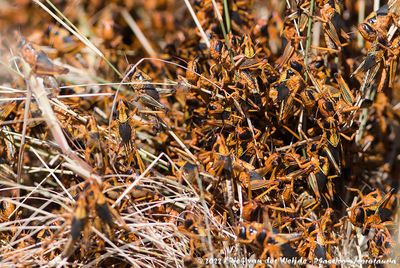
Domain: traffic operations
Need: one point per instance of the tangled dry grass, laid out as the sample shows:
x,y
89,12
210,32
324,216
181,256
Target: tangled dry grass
x,y
198,133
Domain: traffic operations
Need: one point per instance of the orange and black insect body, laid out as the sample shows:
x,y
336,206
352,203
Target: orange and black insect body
x,y
61,40
125,130
333,27
321,179
145,85
94,149
380,244
124,127
247,233
252,211
40,63
326,108
224,167
103,210
331,131
192,227
309,98
189,225
145,91
216,49
244,133
283,91
6,208
370,61
43,234
79,220
261,238
78,225
192,71
268,241
367,32
358,217
371,211
320,252
376,25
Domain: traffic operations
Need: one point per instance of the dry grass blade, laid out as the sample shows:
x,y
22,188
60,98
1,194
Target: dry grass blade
x,y
36,85
193,14
254,131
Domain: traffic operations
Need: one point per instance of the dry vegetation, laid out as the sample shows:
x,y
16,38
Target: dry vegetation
x,y
172,133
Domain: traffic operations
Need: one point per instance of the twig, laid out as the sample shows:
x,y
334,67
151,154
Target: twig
x,y
22,144
36,84
227,16
121,252
297,29
299,143
206,213
82,38
361,16
308,44
196,20
138,32
127,190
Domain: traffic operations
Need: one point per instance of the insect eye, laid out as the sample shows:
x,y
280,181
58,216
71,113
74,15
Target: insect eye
x,y
195,230
368,29
252,230
242,232
139,76
289,73
372,20
319,64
